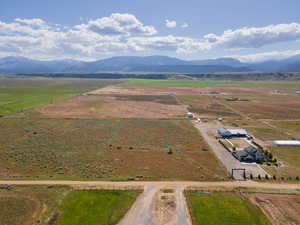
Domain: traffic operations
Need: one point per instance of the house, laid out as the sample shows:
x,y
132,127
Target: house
x,y
250,155
232,133
287,143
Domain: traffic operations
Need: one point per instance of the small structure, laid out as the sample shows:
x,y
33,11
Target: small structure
x,y
250,155
189,115
298,92
287,143
213,92
232,133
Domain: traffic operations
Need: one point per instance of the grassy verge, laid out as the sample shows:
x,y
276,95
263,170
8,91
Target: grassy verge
x,y
95,207
223,208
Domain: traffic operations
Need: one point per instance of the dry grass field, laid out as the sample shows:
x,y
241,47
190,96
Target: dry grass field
x,y
206,106
115,106
281,209
289,157
104,149
30,205
267,106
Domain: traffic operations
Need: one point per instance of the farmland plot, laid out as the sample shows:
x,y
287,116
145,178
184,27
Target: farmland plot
x,y
115,106
105,149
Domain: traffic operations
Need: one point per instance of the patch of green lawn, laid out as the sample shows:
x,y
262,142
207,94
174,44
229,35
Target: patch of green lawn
x,y
225,209
95,207
14,100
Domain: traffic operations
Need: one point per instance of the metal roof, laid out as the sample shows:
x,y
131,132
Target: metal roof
x,y
232,131
288,142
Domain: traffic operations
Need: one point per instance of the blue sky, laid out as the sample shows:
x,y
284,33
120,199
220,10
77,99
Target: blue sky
x,y
195,29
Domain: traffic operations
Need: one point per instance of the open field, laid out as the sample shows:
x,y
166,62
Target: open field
x,y
105,149
17,94
115,106
206,106
211,83
289,157
266,106
30,205
14,100
30,82
281,209
95,207
223,208
292,127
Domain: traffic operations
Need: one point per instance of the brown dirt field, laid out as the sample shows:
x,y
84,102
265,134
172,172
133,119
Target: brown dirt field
x,y
268,106
206,106
96,106
148,91
176,90
281,209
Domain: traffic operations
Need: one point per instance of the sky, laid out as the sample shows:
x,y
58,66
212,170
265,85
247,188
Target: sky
x,y
249,30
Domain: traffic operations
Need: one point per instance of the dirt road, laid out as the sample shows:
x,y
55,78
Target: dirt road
x,y
159,184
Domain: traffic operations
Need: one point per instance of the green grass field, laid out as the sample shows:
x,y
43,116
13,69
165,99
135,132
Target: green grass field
x,y
95,207
208,83
14,100
225,209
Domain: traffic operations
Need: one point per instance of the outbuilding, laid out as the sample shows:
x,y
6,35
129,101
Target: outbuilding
x,y
232,133
189,115
287,143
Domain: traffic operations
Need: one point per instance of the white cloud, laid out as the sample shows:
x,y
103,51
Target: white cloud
x,y
171,23
184,25
273,55
255,37
125,34
118,24
33,22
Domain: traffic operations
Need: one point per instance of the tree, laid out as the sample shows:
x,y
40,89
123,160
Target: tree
x,y
170,151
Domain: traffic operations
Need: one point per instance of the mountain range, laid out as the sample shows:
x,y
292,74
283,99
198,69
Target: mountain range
x,y
155,64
